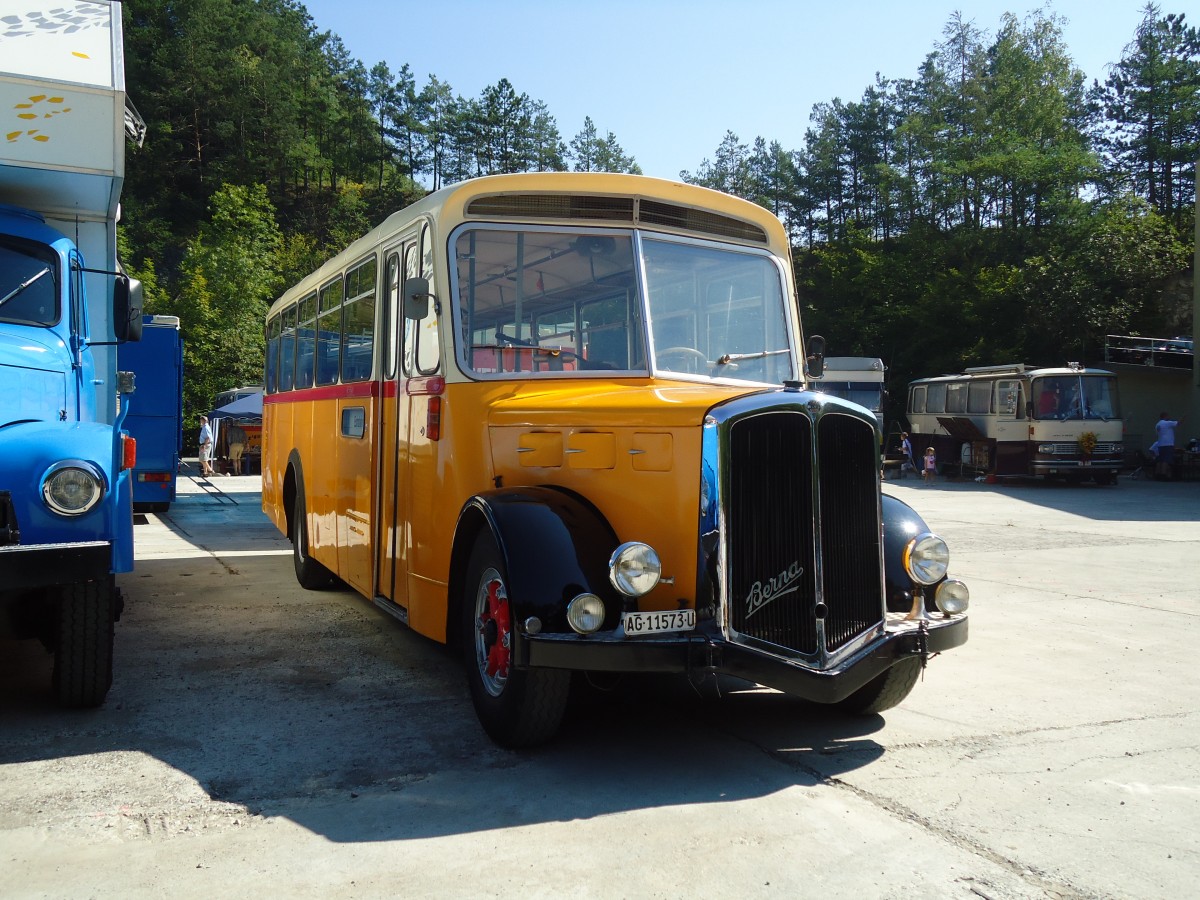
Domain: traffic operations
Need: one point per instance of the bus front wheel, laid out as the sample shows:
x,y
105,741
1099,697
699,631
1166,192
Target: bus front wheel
x,y
885,690
311,574
517,707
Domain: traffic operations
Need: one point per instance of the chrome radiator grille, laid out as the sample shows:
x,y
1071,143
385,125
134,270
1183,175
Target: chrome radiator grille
x,y
774,522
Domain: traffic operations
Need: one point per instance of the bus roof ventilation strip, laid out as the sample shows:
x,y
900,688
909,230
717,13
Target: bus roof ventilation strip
x,y
615,209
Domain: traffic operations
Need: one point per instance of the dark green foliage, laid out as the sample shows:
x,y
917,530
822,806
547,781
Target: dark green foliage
x,y
987,209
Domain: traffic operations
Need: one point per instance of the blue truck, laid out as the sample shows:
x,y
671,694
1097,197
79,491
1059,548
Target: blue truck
x,y
155,417
66,513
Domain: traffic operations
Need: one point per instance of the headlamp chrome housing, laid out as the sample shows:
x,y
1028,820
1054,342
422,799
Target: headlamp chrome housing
x,y
634,569
72,487
926,558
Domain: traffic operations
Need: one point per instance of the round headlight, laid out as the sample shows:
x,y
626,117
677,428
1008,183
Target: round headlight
x,y
926,558
71,489
585,613
952,597
634,569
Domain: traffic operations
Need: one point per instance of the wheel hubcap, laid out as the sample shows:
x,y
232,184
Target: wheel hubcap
x,y
493,632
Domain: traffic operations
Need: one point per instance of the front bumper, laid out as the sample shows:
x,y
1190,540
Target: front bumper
x,y
706,651
31,566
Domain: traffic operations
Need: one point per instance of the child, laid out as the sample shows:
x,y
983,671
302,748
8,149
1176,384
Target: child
x,y
929,467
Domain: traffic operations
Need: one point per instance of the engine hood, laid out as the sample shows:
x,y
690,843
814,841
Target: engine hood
x,y
36,372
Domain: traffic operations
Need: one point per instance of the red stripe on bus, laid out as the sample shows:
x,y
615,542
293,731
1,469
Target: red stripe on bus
x,y
359,389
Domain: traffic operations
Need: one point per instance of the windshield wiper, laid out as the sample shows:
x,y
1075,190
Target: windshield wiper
x,y
739,357
21,287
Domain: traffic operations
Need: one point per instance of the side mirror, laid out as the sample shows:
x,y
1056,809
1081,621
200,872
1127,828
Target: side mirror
x,y
815,356
416,298
127,309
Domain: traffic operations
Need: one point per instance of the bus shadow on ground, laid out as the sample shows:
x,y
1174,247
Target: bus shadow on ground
x,y
335,717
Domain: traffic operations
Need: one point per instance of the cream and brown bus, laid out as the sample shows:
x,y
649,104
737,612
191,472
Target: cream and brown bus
x,y
1018,420
563,422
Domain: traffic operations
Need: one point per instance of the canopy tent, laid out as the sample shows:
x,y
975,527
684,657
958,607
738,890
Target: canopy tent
x,y
244,407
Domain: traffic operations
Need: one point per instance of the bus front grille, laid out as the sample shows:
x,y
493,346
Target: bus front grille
x,y
774,522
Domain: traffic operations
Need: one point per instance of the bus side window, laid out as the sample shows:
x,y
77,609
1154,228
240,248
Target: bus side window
x,y
916,403
272,381
358,323
392,315
1008,399
287,350
427,352
329,332
306,340
936,402
979,397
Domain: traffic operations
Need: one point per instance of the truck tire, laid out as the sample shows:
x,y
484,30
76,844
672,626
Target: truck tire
x,y
517,707
83,649
885,690
311,574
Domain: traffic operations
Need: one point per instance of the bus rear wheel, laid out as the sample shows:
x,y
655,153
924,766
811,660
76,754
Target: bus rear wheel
x,y
83,648
311,574
885,690
517,707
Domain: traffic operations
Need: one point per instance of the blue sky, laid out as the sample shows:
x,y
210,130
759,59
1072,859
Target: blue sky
x,y
670,78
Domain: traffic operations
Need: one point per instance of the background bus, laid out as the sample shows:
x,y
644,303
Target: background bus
x,y
155,417
858,379
1018,420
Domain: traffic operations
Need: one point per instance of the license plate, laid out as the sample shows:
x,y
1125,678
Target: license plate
x,y
658,622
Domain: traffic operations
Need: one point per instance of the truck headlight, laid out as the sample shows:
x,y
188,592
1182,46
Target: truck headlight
x,y
926,558
72,487
634,569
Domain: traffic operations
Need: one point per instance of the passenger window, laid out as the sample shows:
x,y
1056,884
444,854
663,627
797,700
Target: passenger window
x,y
329,332
979,397
917,403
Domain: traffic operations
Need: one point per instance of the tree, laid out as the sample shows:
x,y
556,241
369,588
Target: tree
x,y
1152,101
229,276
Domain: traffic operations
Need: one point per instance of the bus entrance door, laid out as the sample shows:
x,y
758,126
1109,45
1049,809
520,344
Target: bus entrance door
x,y
391,568
1011,428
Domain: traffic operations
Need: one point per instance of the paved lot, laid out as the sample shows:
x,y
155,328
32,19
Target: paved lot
x,y
260,739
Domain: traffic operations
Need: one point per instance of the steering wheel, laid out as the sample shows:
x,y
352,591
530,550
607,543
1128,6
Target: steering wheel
x,y
687,355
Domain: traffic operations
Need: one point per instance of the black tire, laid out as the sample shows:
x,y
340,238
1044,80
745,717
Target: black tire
x,y
311,574
517,707
83,648
885,690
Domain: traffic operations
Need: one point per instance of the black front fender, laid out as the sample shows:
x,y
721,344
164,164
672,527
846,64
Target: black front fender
x,y
900,525
555,544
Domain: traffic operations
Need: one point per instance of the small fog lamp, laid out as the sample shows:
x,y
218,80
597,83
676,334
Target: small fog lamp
x,y
634,569
585,613
926,558
952,597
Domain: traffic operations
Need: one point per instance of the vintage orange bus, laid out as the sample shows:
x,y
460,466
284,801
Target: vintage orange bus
x,y
561,422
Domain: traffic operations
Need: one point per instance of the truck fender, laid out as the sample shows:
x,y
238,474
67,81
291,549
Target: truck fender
x,y
900,525
555,545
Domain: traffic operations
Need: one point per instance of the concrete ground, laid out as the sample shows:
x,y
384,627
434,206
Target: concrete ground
x,y
261,739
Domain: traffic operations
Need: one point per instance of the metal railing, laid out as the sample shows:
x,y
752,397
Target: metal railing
x,y
1167,353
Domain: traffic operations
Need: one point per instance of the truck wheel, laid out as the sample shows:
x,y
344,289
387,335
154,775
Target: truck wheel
x,y
311,574
885,690
83,650
517,707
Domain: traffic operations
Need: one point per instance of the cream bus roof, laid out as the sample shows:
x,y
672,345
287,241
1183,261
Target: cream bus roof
x,y
593,198
1019,370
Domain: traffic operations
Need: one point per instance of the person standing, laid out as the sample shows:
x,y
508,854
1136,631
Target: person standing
x,y
1165,428
237,444
906,452
929,466
206,444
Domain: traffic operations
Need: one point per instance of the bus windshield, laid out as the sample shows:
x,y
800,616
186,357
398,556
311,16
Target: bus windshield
x,y
28,295
1065,397
541,301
